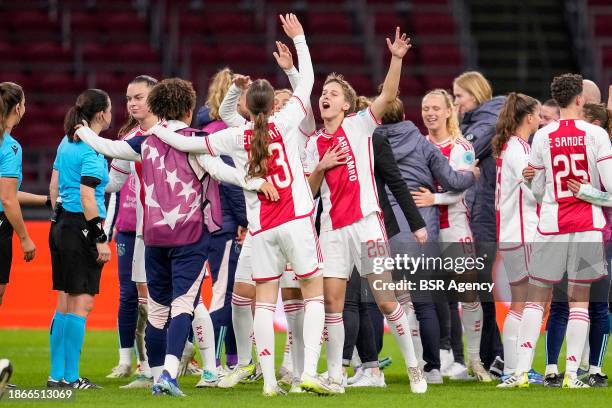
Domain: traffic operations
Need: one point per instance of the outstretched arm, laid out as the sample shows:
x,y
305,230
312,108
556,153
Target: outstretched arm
x,y
117,149
227,110
221,142
398,49
590,194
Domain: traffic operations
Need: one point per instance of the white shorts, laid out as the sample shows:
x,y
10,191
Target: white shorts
x,y
342,247
581,254
244,272
139,275
516,261
293,242
457,241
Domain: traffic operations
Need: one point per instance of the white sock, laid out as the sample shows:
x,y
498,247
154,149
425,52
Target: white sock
x,y
287,358
263,327
294,311
125,356
509,338
187,351
314,318
529,332
594,370
575,336
156,372
584,361
355,360
171,364
398,323
145,369
204,334
471,317
413,325
242,321
550,369
334,345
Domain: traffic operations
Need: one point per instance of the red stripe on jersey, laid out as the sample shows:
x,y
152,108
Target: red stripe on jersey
x,y
301,104
208,146
343,182
604,158
568,156
118,169
535,167
378,122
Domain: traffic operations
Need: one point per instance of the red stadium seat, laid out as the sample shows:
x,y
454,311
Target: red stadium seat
x,y
441,82
229,23
411,86
362,84
433,24
190,23
243,54
33,21
124,21
47,51
606,56
440,54
603,25
85,22
204,54
41,134
385,24
344,54
96,52
329,23
60,83
135,52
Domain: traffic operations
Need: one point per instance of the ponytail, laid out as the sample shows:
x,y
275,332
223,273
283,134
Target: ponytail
x,y
11,95
516,107
88,104
258,162
259,101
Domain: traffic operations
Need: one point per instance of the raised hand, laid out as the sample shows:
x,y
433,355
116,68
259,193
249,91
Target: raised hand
x,y
291,25
242,81
400,45
283,56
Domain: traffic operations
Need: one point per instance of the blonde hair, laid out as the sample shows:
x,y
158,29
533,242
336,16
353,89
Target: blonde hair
x,y
283,90
476,85
217,89
362,103
350,95
452,123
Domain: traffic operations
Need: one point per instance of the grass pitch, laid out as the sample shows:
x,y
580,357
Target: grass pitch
x,y
29,352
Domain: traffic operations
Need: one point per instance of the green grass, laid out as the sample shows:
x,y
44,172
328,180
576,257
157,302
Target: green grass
x,y
28,350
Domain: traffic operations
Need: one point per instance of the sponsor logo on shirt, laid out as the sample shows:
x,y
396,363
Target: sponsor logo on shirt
x,y
15,149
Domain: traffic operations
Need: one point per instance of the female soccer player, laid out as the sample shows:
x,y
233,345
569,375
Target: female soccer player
x,y
79,247
282,231
515,205
244,287
175,236
126,217
443,132
12,109
478,112
350,216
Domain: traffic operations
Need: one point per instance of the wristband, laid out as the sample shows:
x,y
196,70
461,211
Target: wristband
x,y
95,226
48,202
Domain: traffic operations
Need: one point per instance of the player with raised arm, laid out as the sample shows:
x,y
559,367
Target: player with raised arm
x,y
351,214
568,236
281,231
176,239
515,205
444,133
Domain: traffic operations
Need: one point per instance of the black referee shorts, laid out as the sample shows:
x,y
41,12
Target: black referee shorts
x,y
73,256
6,248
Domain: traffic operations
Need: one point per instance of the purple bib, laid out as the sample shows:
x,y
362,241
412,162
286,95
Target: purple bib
x,y
126,215
177,201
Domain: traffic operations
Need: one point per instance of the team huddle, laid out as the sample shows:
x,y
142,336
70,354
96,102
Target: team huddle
x,y
254,185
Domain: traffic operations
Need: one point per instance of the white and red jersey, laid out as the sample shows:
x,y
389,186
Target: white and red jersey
x,y
461,156
515,205
285,169
348,191
561,151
